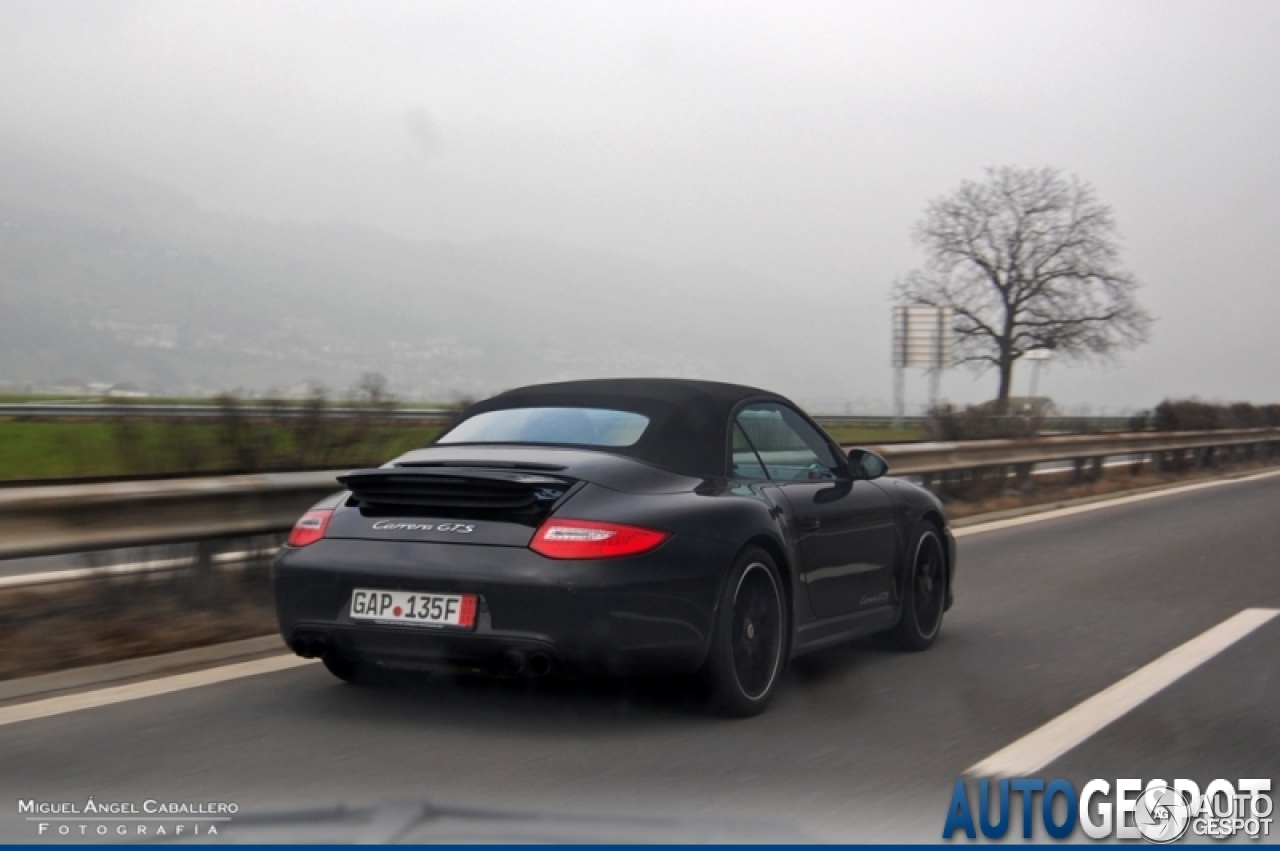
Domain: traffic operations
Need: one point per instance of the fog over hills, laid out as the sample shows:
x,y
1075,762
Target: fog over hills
x,y
467,196
108,277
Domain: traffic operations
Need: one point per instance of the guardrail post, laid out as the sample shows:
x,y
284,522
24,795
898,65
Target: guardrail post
x,y
1087,469
1157,462
202,579
1022,473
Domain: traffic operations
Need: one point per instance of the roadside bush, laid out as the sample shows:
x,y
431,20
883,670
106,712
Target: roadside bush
x,y
251,437
979,422
1194,415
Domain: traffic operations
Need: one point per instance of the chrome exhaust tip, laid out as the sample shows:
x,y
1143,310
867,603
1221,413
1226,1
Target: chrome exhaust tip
x,y
310,646
515,663
539,664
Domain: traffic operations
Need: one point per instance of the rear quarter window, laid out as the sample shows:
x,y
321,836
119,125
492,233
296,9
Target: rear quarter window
x,y
791,449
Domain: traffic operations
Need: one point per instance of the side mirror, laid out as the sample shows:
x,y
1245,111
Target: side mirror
x,y
865,464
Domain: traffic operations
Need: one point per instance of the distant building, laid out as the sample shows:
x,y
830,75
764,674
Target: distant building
x,y
126,390
1035,406
69,387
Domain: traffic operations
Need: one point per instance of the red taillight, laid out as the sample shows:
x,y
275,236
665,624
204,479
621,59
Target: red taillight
x,y
590,539
310,527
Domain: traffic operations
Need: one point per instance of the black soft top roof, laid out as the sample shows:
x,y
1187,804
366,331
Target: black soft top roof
x,y
688,420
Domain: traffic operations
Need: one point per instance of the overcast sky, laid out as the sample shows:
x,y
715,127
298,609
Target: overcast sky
x,y
797,140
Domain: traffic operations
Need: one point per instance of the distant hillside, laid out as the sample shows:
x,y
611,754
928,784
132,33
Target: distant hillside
x,y
106,277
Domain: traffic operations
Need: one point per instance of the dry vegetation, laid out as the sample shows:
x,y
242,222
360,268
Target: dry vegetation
x,y
52,627
986,497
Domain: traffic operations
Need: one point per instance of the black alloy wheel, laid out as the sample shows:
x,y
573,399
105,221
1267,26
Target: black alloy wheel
x,y
924,594
752,635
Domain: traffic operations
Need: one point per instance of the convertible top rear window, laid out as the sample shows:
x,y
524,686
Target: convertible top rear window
x,y
568,426
672,423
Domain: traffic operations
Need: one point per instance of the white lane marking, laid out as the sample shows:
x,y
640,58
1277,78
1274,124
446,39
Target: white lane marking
x,y
1037,749
1053,514
148,688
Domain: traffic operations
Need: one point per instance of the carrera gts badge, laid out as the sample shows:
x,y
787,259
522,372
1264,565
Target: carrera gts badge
x,y
458,528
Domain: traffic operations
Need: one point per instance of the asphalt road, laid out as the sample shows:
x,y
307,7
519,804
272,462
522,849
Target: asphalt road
x,y
862,744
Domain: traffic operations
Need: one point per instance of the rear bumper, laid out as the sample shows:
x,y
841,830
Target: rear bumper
x,y
640,615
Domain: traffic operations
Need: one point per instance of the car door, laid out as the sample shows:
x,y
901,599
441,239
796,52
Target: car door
x,y
846,535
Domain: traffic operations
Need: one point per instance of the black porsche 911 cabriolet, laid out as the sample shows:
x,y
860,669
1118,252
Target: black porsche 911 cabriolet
x,y
629,526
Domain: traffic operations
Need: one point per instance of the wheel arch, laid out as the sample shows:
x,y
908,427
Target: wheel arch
x,y
948,556
780,560
934,518
778,553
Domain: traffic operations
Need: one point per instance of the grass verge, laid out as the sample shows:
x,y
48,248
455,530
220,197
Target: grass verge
x,y
872,435
86,449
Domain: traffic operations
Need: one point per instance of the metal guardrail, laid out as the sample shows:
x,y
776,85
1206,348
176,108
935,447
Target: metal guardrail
x,y
224,560
933,458
45,520
52,519
110,411
92,410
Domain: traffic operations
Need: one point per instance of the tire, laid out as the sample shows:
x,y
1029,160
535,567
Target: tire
x,y
349,670
751,637
924,593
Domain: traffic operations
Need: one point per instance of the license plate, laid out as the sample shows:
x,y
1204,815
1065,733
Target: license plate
x,y
414,607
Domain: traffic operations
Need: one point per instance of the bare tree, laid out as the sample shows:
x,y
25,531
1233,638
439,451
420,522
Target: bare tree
x,y
373,391
1027,260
